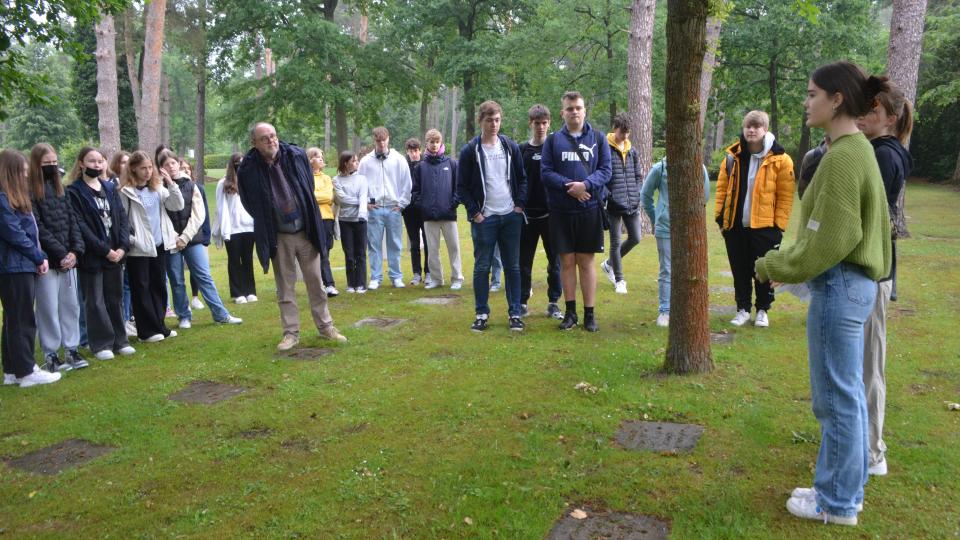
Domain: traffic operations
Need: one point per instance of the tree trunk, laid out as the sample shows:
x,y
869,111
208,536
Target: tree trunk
x,y
198,169
133,67
721,125
149,129
107,99
340,119
454,118
165,110
639,93
326,128
424,106
688,350
956,172
446,110
469,105
804,146
706,81
774,113
903,64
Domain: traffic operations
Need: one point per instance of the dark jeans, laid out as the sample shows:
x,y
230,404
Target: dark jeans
x,y
353,240
240,264
103,304
147,283
17,294
413,223
532,232
194,286
487,235
326,274
744,247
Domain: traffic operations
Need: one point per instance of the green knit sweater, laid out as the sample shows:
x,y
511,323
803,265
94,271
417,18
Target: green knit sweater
x,y
843,218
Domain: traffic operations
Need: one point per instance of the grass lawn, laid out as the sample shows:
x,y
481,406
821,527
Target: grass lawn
x,y
406,432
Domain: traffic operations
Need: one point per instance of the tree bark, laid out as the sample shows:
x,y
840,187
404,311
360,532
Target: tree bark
x,y
340,119
706,79
469,105
164,110
639,93
956,172
424,106
774,111
133,67
326,128
454,118
198,169
688,350
108,107
804,146
903,64
149,129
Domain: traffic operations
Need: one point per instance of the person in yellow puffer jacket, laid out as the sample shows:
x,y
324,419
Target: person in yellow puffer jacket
x,y
754,198
323,193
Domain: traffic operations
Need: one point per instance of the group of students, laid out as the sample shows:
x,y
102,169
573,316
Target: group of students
x,y
87,264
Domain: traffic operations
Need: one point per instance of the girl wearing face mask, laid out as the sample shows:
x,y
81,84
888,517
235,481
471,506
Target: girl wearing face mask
x,y
146,197
57,305
106,237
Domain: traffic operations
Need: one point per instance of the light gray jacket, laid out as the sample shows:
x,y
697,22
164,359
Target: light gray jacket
x,y
142,243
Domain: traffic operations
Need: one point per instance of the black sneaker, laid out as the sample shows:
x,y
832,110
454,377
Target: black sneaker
x,y
569,320
590,323
523,310
75,361
553,310
479,324
516,324
54,364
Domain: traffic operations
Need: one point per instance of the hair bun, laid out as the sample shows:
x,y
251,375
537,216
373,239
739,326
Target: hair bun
x,y
876,85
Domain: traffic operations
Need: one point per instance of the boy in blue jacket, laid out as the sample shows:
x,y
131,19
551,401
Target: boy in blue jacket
x,y
575,168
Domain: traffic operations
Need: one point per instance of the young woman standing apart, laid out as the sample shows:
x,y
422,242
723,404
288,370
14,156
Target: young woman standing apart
x,y
233,227
351,194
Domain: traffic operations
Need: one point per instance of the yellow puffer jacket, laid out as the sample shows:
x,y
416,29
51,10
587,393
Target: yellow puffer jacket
x,y
773,189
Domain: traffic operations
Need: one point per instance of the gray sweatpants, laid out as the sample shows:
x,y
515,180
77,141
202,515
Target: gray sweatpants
x,y
874,368
58,311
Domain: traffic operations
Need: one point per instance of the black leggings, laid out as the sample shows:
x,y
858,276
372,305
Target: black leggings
x,y
353,240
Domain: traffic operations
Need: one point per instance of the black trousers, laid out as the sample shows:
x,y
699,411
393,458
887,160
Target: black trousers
x,y
744,247
353,240
533,231
17,294
413,223
147,285
326,274
103,306
240,264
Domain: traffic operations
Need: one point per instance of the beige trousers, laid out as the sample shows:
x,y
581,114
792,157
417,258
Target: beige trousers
x,y
433,230
874,367
293,251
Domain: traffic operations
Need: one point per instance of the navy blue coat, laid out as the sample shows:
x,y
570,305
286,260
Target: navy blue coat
x,y
470,174
97,243
253,183
19,249
435,189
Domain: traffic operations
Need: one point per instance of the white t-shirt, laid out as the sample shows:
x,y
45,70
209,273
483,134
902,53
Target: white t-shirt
x,y
496,181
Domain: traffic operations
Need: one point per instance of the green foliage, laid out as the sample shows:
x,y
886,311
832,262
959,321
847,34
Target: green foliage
x,y
215,161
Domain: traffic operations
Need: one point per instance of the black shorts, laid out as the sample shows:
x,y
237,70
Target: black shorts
x,y
580,232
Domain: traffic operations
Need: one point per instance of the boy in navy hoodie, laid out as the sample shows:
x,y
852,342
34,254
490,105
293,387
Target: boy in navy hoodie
x,y
575,168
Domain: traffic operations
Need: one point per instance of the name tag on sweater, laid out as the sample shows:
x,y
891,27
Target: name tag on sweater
x,y
813,225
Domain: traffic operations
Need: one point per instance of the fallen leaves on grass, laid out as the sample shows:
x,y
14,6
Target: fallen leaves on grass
x,y
586,388
578,514
952,406
468,520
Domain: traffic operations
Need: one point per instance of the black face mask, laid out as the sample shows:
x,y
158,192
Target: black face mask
x,y
92,173
49,172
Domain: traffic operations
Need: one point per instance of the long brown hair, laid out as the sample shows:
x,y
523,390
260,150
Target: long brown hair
x,y
116,163
36,172
230,179
77,172
895,103
129,177
12,180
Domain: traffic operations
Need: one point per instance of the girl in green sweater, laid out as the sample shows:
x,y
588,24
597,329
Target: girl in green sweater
x,y
841,250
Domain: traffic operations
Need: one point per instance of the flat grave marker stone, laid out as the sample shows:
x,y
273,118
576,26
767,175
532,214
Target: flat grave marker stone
x,y
378,322
438,300
206,392
305,353
58,457
658,436
608,525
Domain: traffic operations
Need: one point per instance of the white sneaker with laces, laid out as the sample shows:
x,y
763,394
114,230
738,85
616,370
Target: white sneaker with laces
x,y
398,283
351,290
10,379
173,333
762,320
495,288
742,318
130,328
105,354
811,493
620,287
252,298
185,324
878,469
154,338
126,350
38,377
373,285
417,279
240,300
231,320
809,509
431,284
608,270
361,290
456,285
196,303
663,319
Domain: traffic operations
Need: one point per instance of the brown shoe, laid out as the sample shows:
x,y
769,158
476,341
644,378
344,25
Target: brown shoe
x,y
331,332
288,342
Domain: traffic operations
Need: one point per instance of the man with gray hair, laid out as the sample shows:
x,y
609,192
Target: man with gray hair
x,y
276,187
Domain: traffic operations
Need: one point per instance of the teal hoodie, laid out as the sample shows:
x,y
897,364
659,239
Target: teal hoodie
x,y
657,180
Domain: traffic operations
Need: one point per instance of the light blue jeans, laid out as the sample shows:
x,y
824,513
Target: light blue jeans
x,y
496,268
195,257
663,278
840,302
380,221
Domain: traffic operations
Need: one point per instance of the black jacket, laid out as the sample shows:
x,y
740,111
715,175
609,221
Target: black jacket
x,y
470,175
253,181
58,227
95,238
536,192
435,189
895,165
626,179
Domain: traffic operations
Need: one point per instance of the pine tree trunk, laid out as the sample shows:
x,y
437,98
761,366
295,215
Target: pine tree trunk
x,y
149,129
133,71
903,64
198,169
774,110
688,350
164,110
714,25
956,172
469,105
340,119
107,99
639,93
424,106
326,128
454,118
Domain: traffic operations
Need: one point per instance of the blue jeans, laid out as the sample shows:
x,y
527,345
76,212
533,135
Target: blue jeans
x,y
380,221
840,302
494,231
496,268
663,278
127,307
196,260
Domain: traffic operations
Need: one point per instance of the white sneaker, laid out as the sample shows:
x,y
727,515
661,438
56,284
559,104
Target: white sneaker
x,y
185,324
173,333
196,303
361,290
240,300
373,285
762,320
331,291
10,379
154,338
126,350
663,319
170,314
605,267
417,279
742,318
252,298
231,320
398,283
130,328
620,287
878,469
38,377
104,355
351,290
495,288
811,493
809,509
431,285
456,285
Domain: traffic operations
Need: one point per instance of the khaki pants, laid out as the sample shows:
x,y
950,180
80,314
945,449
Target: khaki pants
x,y
874,367
433,229
295,250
